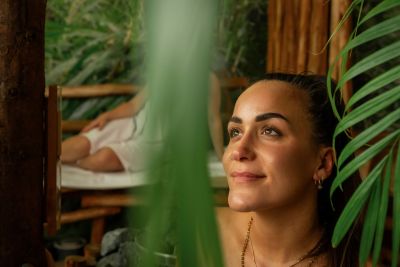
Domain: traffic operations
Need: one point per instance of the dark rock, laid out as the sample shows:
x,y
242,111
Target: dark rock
x,y
112,240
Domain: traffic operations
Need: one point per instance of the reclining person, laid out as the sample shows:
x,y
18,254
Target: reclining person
x,y
114,140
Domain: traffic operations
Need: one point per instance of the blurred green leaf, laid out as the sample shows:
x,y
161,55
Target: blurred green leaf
x,y
178,101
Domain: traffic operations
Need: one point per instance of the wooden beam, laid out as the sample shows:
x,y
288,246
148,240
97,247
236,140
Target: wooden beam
x,y
85,214
97,90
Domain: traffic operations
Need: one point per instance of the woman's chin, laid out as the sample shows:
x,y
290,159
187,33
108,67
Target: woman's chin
x,y
240,202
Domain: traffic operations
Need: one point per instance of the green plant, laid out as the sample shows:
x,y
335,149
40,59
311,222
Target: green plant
x,y
381,93
241,35
178,60
93,42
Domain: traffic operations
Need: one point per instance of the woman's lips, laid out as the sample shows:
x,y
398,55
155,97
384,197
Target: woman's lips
x,y
246,176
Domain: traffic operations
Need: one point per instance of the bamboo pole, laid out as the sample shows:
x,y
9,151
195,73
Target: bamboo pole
x,y
302,54
343,39
270,35
283,36
290,37
318,29
323,38
334,45
277,35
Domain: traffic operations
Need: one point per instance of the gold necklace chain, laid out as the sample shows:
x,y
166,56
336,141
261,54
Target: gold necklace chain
x,y
246,243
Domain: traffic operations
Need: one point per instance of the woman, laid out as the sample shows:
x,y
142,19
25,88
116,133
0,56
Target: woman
x,y
114,141
280,164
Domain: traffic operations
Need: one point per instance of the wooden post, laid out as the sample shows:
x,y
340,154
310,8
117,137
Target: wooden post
x,y
21,132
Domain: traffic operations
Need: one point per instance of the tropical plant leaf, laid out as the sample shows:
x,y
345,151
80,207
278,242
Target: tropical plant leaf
x,y
378,106
379,30
383,28
345,17
382,210
55,75
374,85
368,109
94,63
369,225
381,7
396,210
385,54
367,135
361,159
355,204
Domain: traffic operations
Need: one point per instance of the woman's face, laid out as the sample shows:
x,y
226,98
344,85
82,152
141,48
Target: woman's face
x,y
271,158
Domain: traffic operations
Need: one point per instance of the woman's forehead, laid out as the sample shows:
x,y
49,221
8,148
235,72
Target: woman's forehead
x,y
275,95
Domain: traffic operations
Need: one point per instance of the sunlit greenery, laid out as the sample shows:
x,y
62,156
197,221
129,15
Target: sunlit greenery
x,y
102,41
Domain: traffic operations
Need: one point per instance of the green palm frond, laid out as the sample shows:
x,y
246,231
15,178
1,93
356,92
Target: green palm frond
x,y
377,100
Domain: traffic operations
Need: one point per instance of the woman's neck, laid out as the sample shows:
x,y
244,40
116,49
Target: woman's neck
x,y
284,236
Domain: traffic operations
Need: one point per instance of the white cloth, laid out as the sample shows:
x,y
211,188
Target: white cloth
x,y
126,138
77,178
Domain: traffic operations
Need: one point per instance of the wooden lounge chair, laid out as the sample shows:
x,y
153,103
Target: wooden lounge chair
x,y
100,200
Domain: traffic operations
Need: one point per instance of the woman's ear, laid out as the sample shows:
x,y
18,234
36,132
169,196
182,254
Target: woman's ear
x,y
326,162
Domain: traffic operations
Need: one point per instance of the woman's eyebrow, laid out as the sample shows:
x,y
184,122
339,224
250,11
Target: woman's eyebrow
x,y
270,115
235,119
261,117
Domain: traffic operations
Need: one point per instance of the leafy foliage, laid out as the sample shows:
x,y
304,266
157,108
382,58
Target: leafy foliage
x,y
376,101
93,42
241,36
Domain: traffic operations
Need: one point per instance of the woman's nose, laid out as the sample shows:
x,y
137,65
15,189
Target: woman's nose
x,y
243,151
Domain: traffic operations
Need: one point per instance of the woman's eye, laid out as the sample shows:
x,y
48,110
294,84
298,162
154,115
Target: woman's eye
x,y
233,132
271,131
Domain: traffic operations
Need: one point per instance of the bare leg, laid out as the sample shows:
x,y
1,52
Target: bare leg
x,y
74,148
103,160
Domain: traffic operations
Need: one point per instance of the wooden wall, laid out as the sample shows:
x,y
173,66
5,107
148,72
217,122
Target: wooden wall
x,y
298,32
